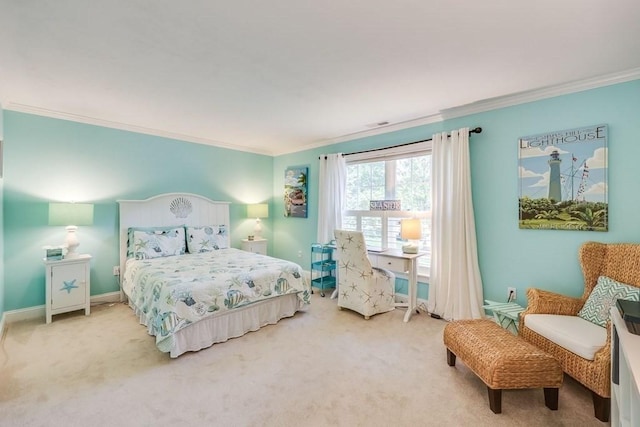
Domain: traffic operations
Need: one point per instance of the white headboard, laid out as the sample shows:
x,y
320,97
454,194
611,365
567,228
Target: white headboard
x,y
169,209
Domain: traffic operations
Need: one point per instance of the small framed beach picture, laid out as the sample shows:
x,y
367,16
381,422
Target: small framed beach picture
x,y
295,192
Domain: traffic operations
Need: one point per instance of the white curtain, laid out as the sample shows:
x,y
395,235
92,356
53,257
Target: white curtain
x,y
331,190
455,285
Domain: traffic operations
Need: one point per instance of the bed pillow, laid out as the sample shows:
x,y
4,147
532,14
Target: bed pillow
x,y
130,230
603,297
207,238
155,242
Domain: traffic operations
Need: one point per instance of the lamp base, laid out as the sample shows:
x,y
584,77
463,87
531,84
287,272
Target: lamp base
x,y
72,242
71,254
410,248
257,230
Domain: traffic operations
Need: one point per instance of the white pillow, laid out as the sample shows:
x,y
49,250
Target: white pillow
x,y
158,243
207,238
157,230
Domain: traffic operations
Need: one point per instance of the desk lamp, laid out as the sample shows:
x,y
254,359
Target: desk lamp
x,y
410,229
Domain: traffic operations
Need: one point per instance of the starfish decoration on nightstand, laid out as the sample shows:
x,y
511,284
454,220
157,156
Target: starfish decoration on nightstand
x,y
68,285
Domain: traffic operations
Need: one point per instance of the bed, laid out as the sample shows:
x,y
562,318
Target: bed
x,y
187,285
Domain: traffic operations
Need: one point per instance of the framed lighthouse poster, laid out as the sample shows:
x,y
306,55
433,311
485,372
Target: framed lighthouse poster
x,y
563,180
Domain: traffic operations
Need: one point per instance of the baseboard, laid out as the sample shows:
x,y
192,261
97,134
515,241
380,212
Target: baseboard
x,y
422,303
38,312
2,326
105,298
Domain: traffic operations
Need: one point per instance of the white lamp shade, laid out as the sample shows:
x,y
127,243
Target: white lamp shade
x,y
411,229
258,210
70,214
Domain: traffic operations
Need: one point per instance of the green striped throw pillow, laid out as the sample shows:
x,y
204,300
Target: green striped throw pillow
x,y
603,297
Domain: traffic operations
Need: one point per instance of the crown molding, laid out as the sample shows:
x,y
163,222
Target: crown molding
x,y
491,104
435,118
30,109
541,93
449,113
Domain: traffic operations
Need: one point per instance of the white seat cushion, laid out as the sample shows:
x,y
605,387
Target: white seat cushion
x,y
574,333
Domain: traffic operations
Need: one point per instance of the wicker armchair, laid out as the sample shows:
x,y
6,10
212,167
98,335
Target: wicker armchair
x,y
619,261
361,287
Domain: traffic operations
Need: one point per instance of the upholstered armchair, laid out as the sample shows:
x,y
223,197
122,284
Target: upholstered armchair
x,y
577,331
361,287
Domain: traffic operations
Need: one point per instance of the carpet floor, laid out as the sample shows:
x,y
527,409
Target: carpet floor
x,y
322,367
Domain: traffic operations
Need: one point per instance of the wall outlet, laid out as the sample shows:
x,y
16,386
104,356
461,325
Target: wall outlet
x,y
116,270
511,294
299,254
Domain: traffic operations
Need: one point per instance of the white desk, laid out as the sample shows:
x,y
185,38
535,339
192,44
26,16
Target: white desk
x,y
397,261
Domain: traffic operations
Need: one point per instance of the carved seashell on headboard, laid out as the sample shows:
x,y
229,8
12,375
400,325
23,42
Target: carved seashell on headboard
x,y
181,207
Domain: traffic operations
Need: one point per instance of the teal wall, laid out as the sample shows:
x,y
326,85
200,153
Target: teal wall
x,y
56,160
51,160
508,256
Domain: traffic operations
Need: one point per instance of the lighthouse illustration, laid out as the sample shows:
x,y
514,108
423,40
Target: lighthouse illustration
x,y
555,192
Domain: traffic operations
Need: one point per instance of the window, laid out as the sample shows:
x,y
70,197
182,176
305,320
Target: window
x,y
399,173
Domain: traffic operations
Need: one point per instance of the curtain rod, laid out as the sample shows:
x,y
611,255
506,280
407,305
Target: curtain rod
x,y
476,130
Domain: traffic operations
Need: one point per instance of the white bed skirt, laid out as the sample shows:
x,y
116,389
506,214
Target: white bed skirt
x,y
235,323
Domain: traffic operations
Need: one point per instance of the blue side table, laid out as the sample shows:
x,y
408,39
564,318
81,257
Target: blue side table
x,y
506,314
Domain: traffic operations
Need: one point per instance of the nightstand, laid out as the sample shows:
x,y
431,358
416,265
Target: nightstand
x,y
67,285
255,246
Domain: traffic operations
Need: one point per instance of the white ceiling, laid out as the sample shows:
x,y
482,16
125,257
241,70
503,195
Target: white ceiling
x,y
284,75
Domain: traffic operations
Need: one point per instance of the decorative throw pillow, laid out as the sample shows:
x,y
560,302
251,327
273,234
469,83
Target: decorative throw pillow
x,y
131,230
207,238
603,297
158,243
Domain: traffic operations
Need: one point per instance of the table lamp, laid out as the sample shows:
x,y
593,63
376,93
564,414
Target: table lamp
x,y
71,215
411,230
257,211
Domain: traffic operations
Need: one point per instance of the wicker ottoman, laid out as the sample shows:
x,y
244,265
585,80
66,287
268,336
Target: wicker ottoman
x,y
502,360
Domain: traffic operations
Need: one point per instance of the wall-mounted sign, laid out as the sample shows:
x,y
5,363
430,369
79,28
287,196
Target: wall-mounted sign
x,y
384,205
